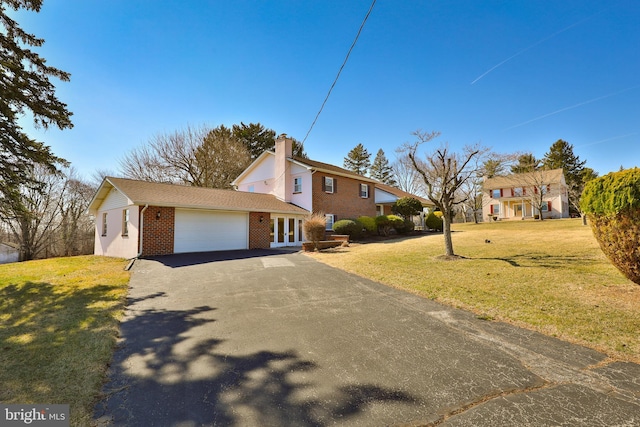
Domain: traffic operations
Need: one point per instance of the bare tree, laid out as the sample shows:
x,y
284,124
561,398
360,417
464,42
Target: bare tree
x,y
76,231
33,217
201,157
407,178
443,173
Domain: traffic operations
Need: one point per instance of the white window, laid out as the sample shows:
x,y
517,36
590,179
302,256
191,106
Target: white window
x,y
297,185
328,184
518,192
125,222
364,191
496,194
329,218
251,189
104,224
495,209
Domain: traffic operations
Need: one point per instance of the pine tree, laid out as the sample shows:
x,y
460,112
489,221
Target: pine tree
x,y
255,137
381,170
561,155
526,163
25,86
358,160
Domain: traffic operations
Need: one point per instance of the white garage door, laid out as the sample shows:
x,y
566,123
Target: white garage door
x,y
201,231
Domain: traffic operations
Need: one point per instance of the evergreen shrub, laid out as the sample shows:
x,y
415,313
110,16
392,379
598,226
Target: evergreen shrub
x,y
434,221
612,204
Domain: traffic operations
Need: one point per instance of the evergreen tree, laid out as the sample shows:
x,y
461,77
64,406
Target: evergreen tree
x,y
526,163
358,160
561,155
255,137
25,86
381,170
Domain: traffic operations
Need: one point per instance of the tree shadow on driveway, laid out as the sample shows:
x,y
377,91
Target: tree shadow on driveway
x,y
169,370
196,258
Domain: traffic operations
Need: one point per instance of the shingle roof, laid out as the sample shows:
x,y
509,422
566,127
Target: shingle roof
x,y
331,168
400,193
174,195
553,176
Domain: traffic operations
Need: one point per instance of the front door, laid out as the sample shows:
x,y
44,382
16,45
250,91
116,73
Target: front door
x,y
286,231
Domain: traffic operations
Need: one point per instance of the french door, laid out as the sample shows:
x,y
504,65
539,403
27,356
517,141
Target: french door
x,y
286,231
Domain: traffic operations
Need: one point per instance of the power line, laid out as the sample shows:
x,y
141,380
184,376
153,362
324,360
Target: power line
x,y
340,70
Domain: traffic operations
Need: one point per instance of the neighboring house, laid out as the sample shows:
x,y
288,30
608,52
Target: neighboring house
x,y
274,195
9,253
518,196
318,187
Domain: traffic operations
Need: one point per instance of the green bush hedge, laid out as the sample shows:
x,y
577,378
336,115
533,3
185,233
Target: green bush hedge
x,y
612,204
368,223
433,221
348,226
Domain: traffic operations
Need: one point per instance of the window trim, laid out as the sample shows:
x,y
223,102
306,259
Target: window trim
x,y
125,222
104,224
333,221
328,179
297,185
364,194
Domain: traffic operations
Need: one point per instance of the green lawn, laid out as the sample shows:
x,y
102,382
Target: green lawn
x,y
58,325
548,276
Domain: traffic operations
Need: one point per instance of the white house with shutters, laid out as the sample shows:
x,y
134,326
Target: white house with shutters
x,y
526,195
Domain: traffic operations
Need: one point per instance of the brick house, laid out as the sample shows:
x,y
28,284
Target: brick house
x,y
526,195
272,198
318,187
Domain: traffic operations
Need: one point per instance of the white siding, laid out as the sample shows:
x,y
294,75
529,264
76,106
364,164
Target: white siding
x,y
114,199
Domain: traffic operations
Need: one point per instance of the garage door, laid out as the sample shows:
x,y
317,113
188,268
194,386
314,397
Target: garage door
x,y
201,231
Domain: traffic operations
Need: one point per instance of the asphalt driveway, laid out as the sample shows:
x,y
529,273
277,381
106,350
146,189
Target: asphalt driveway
x,y
268,338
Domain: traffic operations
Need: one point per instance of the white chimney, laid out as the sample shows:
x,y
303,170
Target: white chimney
x,y
283,186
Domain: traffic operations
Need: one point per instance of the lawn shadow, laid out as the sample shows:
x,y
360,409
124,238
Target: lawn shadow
x,y
171,369
42,337
541,260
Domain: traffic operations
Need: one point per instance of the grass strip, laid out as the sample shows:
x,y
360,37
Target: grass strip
x,y
58,325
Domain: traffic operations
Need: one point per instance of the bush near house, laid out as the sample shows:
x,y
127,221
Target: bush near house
x,y
408,227
612,203
397,222
433,221
368,223
383,225
351,227
314,228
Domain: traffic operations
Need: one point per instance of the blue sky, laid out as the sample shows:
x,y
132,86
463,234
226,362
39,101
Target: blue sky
x,y
510,75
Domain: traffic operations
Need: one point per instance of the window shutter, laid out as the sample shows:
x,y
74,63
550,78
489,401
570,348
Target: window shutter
x,y
324,181
548,206
335,185
491,194
491,206
368,191
501,195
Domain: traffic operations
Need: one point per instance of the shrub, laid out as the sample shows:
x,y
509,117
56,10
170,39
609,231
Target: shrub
x,y
407,206
434,221
314,227
409,226
383,224
351,227
368,223
396,222
612,203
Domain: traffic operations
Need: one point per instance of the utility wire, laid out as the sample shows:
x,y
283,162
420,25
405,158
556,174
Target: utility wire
x,y
340,71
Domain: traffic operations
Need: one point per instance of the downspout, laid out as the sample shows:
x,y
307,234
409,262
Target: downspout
x,y
141,231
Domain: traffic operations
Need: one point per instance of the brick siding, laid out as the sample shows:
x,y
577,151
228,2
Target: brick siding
x,y
158,233
346,201
259,232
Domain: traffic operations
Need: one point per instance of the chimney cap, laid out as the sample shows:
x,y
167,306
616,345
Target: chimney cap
x,y
283,136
